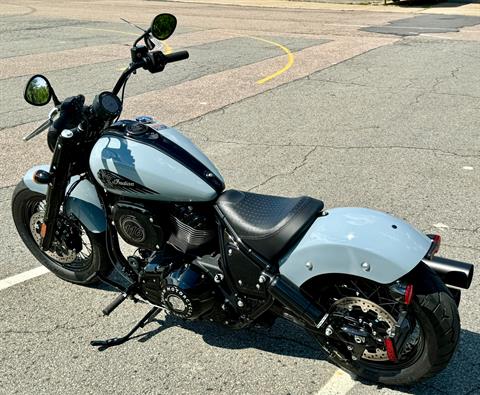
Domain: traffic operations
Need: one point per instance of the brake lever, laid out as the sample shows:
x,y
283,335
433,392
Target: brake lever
x,y
45,125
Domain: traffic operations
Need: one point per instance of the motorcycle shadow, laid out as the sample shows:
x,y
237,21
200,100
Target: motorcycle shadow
x,y
282,338
462,376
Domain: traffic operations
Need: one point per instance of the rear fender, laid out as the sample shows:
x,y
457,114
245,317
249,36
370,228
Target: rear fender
x,y
358,242
83,201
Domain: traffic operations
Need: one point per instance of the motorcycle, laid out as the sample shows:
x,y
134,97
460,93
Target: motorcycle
x,y
365,284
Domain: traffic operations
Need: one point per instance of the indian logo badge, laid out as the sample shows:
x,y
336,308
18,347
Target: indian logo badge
x,y
111,180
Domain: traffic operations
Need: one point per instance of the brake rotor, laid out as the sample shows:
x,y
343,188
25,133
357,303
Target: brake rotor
x,y
367,306
67,256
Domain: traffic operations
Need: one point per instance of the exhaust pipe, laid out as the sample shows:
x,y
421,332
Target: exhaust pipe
x,y
292,297
453,273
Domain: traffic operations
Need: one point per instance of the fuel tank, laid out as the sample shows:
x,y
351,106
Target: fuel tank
x,y
145,159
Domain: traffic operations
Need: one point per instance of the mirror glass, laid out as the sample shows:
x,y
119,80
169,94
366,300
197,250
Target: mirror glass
x,y
37,91
163,26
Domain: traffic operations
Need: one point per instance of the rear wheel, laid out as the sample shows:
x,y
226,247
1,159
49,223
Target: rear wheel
x,y
372,312
77,255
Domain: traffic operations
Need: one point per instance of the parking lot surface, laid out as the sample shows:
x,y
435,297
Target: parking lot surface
x,y
332,103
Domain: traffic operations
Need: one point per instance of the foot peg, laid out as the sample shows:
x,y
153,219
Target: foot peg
x,y
115,303
130,291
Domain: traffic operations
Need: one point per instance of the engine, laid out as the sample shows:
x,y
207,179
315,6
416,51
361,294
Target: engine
x,y
168,235
184,227
183,288
191,229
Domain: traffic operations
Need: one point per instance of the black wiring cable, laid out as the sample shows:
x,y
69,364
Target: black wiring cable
x,y
123,95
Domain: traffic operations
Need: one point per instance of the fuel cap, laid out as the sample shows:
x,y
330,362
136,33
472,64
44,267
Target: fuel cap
x,y
144,119
137,128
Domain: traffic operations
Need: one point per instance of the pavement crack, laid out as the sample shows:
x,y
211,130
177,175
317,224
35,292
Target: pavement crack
x,y
474,230
474,390
341,147
440,391
407,87
28,332
57,327
454,72
302,163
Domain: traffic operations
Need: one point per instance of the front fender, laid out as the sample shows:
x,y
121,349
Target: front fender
x,y
358,242
82,202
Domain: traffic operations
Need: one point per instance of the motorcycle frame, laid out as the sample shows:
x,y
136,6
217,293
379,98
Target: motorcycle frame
x,y
321,251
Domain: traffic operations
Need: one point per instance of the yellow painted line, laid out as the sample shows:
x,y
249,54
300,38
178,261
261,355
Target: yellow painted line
x,y
289,64
167,48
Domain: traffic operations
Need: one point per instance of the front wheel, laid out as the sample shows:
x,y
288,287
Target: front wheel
x,y
77,255
363,307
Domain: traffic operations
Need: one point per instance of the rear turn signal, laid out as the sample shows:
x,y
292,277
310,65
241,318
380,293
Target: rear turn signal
x,y
391,353
408,294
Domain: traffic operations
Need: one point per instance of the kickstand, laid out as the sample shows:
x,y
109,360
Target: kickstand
x,y
104,344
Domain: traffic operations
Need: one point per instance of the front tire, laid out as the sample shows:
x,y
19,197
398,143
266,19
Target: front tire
x,y
81,268
436,315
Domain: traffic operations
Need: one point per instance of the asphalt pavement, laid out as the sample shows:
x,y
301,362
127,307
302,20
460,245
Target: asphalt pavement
x,y
330,102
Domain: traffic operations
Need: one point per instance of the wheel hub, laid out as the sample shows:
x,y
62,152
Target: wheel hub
x,y
369,318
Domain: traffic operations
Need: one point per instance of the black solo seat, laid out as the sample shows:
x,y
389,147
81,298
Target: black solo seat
x,y
268,224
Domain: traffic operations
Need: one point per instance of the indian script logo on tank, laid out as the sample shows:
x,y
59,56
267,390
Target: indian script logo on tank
x,y
111,180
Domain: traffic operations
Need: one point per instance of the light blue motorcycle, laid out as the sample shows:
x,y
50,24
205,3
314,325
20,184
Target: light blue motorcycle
x,y
364,283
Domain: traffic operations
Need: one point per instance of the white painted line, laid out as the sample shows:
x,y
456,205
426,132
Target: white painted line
x,y
20,278
339,384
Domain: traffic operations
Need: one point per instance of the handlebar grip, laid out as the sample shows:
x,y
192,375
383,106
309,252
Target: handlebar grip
x,y
177,56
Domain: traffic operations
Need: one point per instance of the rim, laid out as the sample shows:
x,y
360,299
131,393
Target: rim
x,y
370,304
60,254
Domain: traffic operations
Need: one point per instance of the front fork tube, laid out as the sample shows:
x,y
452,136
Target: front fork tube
x,y
58,181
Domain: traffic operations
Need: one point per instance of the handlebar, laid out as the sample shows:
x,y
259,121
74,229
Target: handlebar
x,y
176,56
155,61
72,110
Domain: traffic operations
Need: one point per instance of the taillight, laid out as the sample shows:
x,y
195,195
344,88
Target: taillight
x,y
435,247
437,239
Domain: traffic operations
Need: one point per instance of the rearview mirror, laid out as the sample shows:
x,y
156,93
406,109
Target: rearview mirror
x,y
163,26
38,91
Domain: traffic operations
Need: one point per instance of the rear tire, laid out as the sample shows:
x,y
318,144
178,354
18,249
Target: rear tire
x,y
436,314
83,272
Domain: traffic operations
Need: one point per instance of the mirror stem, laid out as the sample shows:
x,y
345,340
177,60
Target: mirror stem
x,y
147,32
55,98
